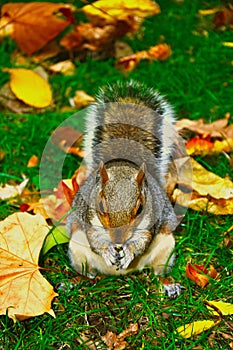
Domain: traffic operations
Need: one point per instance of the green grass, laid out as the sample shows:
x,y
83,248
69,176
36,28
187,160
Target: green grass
x,y
198,81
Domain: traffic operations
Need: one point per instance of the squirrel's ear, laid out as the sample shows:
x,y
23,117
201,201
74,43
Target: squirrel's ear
x,y
141,174
103,172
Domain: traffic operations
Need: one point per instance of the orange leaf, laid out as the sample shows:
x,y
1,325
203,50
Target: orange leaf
x,y
199,146
33,161
160,52
194,272
24,292
36,23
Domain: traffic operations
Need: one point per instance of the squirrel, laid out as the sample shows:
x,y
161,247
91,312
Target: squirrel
x,y
122,219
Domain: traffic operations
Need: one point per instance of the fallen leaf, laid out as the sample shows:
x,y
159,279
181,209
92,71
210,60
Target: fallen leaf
x,y
10,191
54,206
70,187
159,52
197,146
24,292
114,12
33,161
71,40
10,101
65,67
81,99
51,49
224,308
194,328
224,18
59,235
208,12
199,274
219,128
117,342
34,24
30,87
199,203
203,146
207,183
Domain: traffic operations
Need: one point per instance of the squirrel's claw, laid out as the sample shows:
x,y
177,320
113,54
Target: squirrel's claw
x,y
119,256
124,258
110,255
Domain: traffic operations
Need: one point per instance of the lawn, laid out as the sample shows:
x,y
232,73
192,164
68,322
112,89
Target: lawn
x,y
198,81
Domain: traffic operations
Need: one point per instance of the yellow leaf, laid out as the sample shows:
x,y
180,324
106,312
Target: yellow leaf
x,y
207,183
196,327
120,10
30,87
24,292
228,44
224,308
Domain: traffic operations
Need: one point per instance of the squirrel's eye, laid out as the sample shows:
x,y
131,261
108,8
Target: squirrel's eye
x,y
139,210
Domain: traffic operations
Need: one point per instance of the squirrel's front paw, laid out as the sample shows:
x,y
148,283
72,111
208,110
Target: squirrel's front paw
x,y
118,255
124,257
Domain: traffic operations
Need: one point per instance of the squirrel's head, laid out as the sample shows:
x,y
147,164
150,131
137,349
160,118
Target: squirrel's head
x,y
121,198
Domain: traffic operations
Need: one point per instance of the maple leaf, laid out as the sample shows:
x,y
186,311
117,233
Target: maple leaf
x,y
24,292
34,24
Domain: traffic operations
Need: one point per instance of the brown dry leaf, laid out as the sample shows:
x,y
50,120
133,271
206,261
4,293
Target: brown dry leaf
x,y
30,87
10,101
200,275
219,128
81,99
158,52
114,12
117,342
65,67
224,18
72,40
24,292
91,37
33,161
10,191
34,24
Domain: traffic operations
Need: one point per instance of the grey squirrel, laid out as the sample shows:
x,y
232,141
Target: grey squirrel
x,y
122,219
